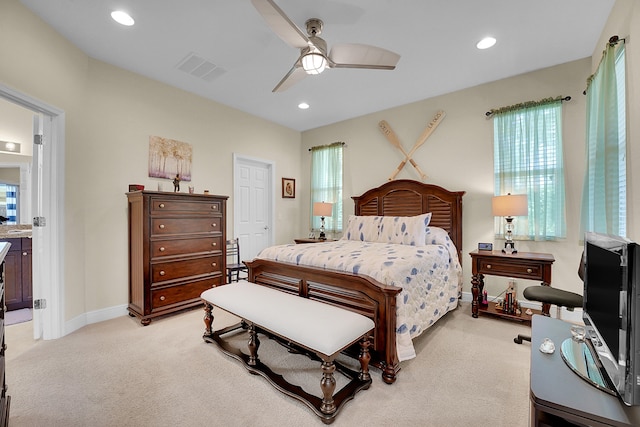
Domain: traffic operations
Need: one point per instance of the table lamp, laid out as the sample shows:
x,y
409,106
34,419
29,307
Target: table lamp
x,y
509,206
322,210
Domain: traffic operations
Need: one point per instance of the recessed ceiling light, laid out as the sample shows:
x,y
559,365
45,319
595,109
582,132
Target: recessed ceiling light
x,y
486,43
303,106
122,18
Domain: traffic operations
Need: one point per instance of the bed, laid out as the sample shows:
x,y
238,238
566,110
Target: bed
x,y
286,267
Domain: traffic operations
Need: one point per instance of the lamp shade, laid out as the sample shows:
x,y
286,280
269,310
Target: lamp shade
x,y
322,209
314,62
510,205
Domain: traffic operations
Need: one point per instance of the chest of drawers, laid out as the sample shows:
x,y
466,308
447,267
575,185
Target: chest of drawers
x,y
176,250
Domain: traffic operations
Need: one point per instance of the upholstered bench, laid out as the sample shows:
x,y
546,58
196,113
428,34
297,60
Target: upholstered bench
x,y
321,329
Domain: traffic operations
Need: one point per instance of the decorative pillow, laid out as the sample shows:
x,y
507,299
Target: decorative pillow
x,y
438,236
402,230
362,228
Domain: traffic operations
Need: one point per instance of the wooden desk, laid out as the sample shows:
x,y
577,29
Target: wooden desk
x,y
559,397
522,265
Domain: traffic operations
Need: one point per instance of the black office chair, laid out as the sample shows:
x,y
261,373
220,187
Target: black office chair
x,y
234,266
553,296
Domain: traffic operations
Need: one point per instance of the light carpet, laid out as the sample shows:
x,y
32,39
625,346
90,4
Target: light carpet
x,y
119,373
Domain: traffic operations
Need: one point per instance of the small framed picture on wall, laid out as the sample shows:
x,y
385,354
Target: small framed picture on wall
x,y
288,188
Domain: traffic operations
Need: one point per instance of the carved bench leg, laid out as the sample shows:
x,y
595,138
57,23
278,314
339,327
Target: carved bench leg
x,y
364,357
328,386
254,344
208,319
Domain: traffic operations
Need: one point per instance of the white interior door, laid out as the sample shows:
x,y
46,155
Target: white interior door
x,y
253,205
37,211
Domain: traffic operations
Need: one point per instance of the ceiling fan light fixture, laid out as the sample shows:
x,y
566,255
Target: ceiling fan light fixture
x,y
314,62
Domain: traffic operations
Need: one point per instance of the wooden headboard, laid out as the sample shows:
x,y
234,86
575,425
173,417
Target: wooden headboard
x,y
405,197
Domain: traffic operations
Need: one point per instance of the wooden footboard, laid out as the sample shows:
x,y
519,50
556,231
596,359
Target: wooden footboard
x,y
354,292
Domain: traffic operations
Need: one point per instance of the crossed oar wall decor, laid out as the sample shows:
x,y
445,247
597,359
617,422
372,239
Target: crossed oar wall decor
x,y
391,136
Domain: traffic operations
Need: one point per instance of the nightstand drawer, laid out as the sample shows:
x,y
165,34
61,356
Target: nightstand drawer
x,y
504,268
165,248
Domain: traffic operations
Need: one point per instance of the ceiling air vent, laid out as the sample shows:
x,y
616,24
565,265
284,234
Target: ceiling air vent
x,y
200,68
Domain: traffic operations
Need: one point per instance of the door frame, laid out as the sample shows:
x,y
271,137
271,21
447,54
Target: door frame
x,y
48,322
239,159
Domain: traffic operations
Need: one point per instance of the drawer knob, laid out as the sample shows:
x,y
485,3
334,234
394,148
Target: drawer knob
x,y
488,266
161,226
162,273
161,205
214,244
214,225
214,207
529,270
24,254
162,298
162,249
214,264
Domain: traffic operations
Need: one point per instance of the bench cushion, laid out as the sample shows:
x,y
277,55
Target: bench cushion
x,y
317,326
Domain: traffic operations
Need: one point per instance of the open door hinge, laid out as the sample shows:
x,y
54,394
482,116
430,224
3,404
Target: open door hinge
x,y
39,304
39,221
38,139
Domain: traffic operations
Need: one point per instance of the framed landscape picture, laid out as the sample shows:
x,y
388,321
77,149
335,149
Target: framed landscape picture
x,y
288,188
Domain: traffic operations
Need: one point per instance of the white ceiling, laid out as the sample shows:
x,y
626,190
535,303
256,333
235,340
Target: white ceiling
x,y
435,38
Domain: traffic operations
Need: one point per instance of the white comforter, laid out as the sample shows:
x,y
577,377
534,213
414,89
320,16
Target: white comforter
x,y
430,277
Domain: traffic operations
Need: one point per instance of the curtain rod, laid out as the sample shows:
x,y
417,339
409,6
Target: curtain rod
x,y
526,105
344,144
613,40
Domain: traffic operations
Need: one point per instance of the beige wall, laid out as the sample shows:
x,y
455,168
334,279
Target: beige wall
x,y
459,155
110,114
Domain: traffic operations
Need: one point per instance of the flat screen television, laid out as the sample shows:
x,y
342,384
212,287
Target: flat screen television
x,y
611,310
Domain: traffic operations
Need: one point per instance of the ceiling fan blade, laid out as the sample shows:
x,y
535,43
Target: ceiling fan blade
x,y
353,55
280,23
294,75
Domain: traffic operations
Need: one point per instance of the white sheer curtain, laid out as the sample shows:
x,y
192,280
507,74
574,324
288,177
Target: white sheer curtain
x,y
528,160
326,184
604,194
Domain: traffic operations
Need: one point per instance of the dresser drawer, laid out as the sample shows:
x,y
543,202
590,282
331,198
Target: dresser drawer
x,y
164,248
179,294
178,269
516,269
159,206
181,226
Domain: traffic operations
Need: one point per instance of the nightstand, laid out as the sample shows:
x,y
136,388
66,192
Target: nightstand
x,y
521,265
306,240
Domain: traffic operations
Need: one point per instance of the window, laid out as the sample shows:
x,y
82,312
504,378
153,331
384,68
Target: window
x,y
604,194
528,160
9,203
326,184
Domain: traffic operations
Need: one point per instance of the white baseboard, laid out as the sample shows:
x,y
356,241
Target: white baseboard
x,y
94,317
566,315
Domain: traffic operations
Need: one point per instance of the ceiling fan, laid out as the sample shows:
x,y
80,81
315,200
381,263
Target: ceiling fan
x,y
313,57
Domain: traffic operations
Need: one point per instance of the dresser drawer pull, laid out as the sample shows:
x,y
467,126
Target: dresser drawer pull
x,y
24,254
162,249
162,298
529,270
214,244
488,266
162,273
161,226
214,207
161,205
214,264
214,225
